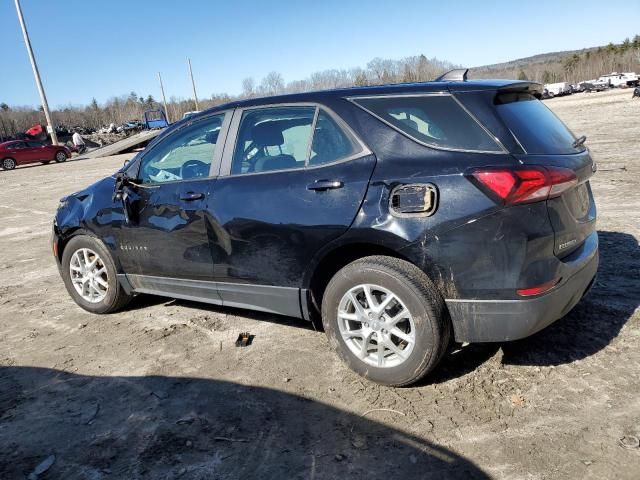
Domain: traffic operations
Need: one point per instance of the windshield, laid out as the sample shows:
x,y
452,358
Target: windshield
x,y
536,127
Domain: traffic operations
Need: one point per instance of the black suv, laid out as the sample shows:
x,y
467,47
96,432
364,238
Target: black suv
x,y
400,215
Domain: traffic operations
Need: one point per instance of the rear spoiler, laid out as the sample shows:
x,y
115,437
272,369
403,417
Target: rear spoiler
x,y
533,88
460,75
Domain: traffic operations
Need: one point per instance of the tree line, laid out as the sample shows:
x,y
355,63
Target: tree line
x,y
572,67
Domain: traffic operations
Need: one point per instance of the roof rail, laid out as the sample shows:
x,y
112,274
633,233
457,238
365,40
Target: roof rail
x,y
458,74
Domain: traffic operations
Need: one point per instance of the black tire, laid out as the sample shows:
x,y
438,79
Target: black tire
x,y
417,292
8,164
60,156
116,298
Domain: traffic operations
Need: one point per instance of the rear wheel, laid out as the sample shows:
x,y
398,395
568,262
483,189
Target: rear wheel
x,y
8,164
90,276
60,157
386,320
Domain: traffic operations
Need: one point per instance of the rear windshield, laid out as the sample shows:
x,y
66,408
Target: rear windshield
x,y
536,127
436,120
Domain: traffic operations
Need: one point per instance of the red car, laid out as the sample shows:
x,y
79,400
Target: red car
x,y
21,152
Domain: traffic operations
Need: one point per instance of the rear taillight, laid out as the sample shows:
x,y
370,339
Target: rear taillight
x,y
511,186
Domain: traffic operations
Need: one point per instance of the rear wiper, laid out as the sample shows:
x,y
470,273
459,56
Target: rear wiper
x,y
579,141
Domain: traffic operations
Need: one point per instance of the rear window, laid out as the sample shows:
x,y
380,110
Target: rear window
x,y
436,120
536,127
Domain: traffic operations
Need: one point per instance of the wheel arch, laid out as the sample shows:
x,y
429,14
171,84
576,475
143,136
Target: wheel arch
x,y
63,240
326,266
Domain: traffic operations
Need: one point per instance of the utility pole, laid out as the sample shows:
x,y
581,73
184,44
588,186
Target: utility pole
x,y
164,100
36,74
195,96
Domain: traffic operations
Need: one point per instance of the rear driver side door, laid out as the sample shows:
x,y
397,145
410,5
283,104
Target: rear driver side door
x,y
292,179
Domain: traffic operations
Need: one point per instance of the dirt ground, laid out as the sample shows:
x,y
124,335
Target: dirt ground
x,y
160,390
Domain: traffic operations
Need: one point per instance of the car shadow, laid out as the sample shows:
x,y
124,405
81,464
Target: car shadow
x,y
197,428
251,314
584,331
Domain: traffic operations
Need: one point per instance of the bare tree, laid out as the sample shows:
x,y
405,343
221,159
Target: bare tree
x,y
248,87
272,84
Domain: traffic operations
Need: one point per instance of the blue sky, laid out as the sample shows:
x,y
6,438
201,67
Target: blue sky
x,y
91,49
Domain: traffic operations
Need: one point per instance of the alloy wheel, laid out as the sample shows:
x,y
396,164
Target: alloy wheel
x,y
60,157
89,275
376,326
9,164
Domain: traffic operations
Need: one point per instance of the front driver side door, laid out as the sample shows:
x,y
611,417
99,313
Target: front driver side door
x,y
164,243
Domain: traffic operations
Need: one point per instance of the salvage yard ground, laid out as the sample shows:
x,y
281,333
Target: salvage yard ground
x,y
160,390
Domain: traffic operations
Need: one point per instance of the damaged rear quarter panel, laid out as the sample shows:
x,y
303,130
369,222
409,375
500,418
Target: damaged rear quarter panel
x,y
470,247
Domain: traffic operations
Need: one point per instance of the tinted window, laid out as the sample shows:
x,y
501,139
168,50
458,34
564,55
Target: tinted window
x,y
330,142
18,145
185,154
534,125
434,119
273,139
34,144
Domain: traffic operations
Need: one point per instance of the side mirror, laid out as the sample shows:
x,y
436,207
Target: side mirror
x,y
126,162
125,195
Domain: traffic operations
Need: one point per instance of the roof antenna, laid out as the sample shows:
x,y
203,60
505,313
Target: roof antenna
x,y
458,74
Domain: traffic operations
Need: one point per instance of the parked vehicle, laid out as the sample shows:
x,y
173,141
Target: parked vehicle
x,y
595,85
155,119
400,214
558,89
22,152
620,80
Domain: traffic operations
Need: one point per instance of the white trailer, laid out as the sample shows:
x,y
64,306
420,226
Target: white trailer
x,y
557,89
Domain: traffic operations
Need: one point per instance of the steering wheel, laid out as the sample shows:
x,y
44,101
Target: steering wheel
x,y
194,169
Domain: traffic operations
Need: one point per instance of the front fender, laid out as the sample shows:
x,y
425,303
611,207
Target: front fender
x,y
91,211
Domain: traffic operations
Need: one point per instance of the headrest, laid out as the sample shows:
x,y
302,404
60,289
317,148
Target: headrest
x,y
267,134
410,123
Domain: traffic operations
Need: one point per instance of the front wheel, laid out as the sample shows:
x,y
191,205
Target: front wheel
x,y
8,164
61,157
90,276
386,320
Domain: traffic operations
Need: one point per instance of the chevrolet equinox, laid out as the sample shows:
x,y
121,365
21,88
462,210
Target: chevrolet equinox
x,y
399,215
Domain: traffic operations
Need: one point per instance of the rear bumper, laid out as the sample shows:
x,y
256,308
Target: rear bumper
x,y
504,320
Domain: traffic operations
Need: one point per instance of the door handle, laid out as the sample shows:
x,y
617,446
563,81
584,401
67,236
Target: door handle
x,y
190,196
322,185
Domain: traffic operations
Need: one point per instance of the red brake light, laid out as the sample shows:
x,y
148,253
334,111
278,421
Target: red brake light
x,y
545,287
512,186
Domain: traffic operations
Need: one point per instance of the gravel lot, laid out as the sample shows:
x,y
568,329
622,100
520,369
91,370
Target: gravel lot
x,y
160,391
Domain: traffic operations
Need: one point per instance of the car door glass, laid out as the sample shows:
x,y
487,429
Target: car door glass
x,y
34,145
19,146
330,142
186,154
275,138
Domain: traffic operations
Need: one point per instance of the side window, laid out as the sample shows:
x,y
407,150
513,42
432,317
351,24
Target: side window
x,y
330,142
19,145
34,144
274,138
432,119
185,154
